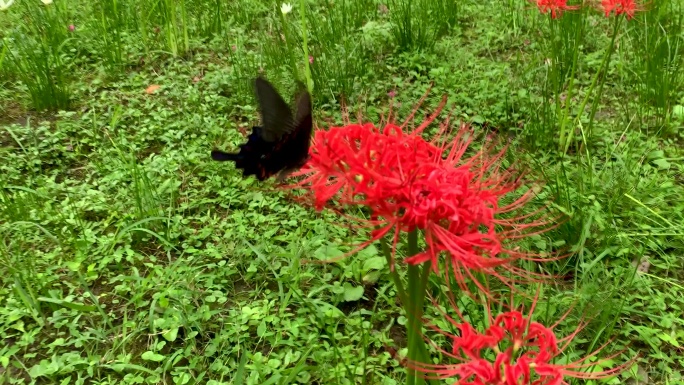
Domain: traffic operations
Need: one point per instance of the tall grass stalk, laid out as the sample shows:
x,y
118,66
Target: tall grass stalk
x,y
23,269
657,40
3,54
417,24
110,28
143,16
146,201
567,36
244,64
410,27
340,53
6,72
211,17
38,56
561,46
603,69
296,44
305,47
291,43
514,13
173,18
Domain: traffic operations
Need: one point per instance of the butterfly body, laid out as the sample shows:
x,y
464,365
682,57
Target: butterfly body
x,y
281,144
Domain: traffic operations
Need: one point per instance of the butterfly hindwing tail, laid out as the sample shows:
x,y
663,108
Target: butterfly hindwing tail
x,y
223,156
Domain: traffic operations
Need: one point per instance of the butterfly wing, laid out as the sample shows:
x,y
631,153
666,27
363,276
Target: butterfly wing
x,y
294,150
276,116
303,108
281,145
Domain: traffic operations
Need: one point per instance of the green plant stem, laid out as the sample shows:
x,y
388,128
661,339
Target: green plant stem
x,y
411,326
594,80
3,52
401,292
412,301
289,44
305,46
564,138
184,20
604,65
417,284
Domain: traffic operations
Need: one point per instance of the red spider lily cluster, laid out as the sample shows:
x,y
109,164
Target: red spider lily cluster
x,y
555,7
618,7
513,350
409,183
466,206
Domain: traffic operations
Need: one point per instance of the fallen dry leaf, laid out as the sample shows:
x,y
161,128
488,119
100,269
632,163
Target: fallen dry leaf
x,y
150,90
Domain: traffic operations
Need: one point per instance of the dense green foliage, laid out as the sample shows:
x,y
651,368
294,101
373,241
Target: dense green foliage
x,y
127,256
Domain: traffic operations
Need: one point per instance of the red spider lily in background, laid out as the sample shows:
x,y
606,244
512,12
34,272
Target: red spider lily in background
x,y
556,7
513,350
619,7
410,184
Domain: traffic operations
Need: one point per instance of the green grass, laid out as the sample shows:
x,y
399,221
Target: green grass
x,y
127,256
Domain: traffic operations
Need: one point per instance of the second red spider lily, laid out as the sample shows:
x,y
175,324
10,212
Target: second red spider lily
x,y
620,7
512,350
555,7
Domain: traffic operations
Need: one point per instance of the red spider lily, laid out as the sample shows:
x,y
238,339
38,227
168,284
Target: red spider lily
x,y
513,350
556,7
412,184
627,7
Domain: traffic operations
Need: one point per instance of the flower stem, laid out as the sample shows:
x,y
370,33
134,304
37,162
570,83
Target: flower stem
x,y
305,46
564,137
418,277
604,65
602,69
393,271
413,303
289,44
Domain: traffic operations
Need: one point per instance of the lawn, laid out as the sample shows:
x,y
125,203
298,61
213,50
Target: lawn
x,y
128,256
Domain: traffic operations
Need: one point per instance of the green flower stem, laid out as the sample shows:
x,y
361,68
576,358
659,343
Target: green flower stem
x,y
603,68
564,137
411,327
418,277
305,46
288,44
393,273
604,65
413,303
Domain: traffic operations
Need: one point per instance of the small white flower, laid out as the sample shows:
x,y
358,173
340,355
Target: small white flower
x,y
5,4
46,2
286,8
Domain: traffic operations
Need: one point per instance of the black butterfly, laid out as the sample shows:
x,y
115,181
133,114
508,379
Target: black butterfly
x,y
281,144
